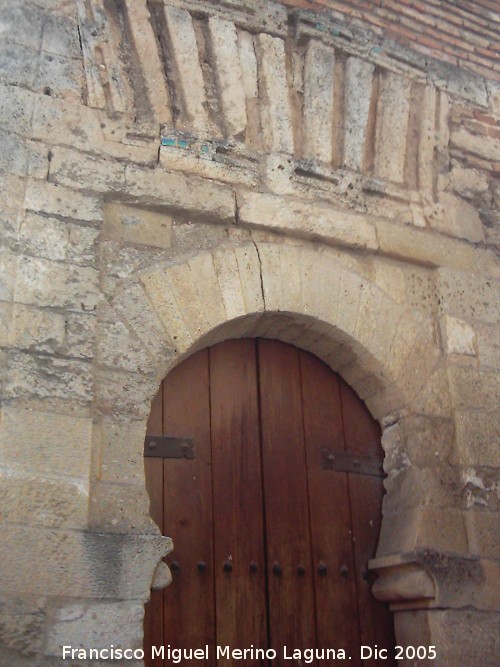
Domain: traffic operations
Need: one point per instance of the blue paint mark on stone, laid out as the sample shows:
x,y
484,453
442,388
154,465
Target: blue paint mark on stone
x,y
204,149
182,143
377,49
167,141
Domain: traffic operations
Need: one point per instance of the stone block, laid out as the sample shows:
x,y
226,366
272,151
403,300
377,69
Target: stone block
x,y
144,39
41,376
36,329
312,221
8,268
131,224
80,334
120,508
275,102
228,277
25,21
319,75
468,295
392,126
42,236
52,562
43,501
424,528
224,44
358,93
488,344
124,395
208,291
136,310
60,35
18,65
14,154
478,438
83,172
458,219
45,443
121,451
418,440
16,109
185,194
461,636
42,196
460,336
47,283
21,624
468,182
434,399
482,529
62,76
247,257
160,291
483,146
474,389
93,624
184,46
117,347
83,245
431,249
209,166
439,487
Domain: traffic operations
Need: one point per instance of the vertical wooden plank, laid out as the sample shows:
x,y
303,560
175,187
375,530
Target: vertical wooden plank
x,y
336,603
291,596
153,469
237,498
362,436
189,600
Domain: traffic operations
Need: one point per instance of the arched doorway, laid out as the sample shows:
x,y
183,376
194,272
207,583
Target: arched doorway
x,y
274,517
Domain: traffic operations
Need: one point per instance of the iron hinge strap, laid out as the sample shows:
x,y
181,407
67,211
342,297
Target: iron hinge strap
x,y
350,462
168,447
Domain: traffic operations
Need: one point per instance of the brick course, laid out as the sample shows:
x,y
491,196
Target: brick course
x,y
440,29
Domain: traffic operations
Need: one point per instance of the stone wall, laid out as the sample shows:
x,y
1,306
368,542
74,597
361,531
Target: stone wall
x,y
178,173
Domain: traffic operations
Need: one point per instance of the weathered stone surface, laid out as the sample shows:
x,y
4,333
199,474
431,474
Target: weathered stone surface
x,y
53,562
392,127
60,201
131,224
47,283
469,295
120,451
459,219
319,73
460,336
32,376
224,42
120,508
185,53
55,502
96,625
359,81
462,636
275,110
63,442
294,216
474,389
478,437
21,624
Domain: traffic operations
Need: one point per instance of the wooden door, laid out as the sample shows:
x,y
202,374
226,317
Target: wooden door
x,y
275,517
